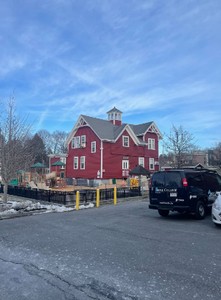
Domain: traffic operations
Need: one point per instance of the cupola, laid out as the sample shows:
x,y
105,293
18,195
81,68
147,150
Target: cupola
x,y
115,116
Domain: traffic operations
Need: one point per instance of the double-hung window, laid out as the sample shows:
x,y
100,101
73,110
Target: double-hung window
x,y
75,163
151,144
82,162
141,161
151,163
125,164
83,141
93,147
125,141
76,142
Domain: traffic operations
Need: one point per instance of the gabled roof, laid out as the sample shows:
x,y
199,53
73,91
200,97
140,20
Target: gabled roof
x,y
106,130
140,129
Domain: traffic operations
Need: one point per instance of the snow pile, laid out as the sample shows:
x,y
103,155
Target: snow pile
x,y
89,205
20,207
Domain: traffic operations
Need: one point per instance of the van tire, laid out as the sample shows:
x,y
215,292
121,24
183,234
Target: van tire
x,y
200,211
163,212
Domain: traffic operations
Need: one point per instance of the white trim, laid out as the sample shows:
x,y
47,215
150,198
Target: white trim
x,y
156,130
77,163
151,144
76,142
131,134
93,147
102,160
125,164
127,144
83,140
82,162
151,163
141,161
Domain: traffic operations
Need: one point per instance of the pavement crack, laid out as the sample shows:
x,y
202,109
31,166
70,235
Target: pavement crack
x,y
92,289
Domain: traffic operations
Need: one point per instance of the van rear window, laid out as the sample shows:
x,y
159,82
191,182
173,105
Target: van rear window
x,y
158,180
167,179
173,180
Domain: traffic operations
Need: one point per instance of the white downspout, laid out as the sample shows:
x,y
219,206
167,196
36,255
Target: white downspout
x,y
101,162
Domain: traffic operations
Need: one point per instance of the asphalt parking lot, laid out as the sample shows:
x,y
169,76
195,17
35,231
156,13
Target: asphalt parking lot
x,y
113,252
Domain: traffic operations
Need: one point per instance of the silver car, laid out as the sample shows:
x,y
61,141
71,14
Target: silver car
x,y
216,209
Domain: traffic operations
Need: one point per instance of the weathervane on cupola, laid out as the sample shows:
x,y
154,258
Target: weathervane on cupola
x,y
115,116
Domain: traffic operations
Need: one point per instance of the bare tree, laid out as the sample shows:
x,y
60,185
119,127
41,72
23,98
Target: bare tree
x,y
59,138
47,139
13,151
180,143
55,141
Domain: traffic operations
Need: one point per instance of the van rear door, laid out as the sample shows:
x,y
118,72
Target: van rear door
x,y
173,187
166,188
157,190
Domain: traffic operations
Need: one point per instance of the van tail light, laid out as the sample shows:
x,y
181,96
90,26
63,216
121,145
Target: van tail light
x,y
185,183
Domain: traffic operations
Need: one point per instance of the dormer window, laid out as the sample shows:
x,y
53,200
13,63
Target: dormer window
x,y
125,141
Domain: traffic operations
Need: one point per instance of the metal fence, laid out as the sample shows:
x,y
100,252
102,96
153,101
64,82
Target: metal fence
x,y
86,195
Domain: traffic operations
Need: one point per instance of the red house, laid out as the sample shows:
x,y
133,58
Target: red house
x,y
109,149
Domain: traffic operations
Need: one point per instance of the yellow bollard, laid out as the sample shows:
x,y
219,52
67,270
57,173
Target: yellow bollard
x,y
115,195
77,200
97,198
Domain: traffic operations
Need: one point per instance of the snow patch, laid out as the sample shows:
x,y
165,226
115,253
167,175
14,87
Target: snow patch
x,y
22,206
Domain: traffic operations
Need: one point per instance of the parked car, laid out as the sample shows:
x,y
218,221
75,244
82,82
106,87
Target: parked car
x,y
183,190
216,209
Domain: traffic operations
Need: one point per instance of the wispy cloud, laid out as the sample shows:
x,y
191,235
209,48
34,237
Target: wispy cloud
x,y
153,60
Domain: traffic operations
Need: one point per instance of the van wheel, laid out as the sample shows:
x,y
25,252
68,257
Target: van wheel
x,y
200,211
163,212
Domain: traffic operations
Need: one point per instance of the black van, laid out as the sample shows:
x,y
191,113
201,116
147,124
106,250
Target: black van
x,y
183,190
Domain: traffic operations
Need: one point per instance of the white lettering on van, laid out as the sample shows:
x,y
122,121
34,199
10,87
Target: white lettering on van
x,y
193,196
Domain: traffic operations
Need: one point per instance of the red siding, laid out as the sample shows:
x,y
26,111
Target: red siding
x,y
92,160
113,154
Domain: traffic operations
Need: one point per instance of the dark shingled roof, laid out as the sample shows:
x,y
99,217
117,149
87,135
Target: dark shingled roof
x,y
107,131
140,128
103,128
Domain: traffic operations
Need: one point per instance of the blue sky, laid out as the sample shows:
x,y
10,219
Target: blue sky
x,y
154,60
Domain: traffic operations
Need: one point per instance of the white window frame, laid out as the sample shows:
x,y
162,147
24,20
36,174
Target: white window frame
x,y
82,163
76,142
151,164
125,164
75,163
126,140
141,161
93,147
151,144
83,141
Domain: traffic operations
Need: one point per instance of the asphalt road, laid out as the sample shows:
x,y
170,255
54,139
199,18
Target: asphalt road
x,y
114,252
